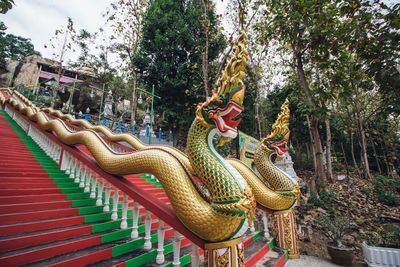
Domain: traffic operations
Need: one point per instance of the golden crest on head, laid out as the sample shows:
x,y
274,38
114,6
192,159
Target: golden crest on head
x,y
226,103
282,122
235,70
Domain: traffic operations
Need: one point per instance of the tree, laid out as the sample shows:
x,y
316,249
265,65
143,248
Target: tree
x,y
14,47
126,18
306,28
6,5
61,43
166,58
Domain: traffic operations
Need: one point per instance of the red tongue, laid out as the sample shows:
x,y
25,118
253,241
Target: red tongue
x,y
228,118
234,124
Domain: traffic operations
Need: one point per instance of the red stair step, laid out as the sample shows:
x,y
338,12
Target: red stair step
x,y
34,240
45,253
22,192
25,207
31,198
22,185
37,215
38,226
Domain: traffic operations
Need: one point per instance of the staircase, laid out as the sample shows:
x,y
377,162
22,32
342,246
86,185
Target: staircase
x,y
47,218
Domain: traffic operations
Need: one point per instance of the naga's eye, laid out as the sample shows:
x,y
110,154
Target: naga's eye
x,y
220,102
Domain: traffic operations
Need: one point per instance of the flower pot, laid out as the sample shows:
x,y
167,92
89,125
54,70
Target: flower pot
x,y
342,256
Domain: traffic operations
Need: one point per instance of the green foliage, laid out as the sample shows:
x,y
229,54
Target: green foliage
x,y
388,235
325,199
14,47
366,191
334,227
384,187
6,5
248,123
168,51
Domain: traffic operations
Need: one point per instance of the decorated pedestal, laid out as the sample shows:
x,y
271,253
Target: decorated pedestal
x,y
286,232
228,253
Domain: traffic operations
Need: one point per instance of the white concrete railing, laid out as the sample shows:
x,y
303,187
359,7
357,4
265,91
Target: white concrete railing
x,y
380,256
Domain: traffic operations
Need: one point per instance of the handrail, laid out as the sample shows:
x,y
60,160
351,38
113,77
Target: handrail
x,y
159,208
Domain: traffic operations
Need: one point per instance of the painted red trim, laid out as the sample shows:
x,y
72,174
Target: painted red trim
x,y
34,240
122,264
39,215
45,253
85,260
281,262
256,257
42,225
264,209
159,208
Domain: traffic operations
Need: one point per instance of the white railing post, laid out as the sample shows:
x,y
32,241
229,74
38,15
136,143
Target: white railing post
x,y
124,223
88,180
64,161
265,222
195,257
100,188
93,188
135,215
107,197
147,231
74,166
160,247
114,215
82,175
58,156
68,162
78,171
177,248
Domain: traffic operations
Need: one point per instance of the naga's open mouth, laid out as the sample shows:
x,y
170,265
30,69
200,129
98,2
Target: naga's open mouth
x,y
224,118
280,147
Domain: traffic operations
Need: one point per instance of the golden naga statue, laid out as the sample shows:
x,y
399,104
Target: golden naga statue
x,y
231,207
274,190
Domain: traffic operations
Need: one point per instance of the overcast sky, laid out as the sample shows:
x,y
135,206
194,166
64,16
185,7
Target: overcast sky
x,y
38,19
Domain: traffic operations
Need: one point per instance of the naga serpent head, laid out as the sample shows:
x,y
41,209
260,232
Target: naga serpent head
x,y
278,139
224,105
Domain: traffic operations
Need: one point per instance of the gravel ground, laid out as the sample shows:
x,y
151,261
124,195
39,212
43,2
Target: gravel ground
x,y
309,261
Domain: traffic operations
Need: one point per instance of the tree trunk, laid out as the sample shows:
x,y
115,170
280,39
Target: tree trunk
x,y
352,153
258,119
364,147
364,151
134,101
316,140
345,159
308,151
375,155
328,150
205,53
313,182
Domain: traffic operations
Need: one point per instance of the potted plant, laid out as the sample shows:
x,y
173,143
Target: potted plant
x,y
335,228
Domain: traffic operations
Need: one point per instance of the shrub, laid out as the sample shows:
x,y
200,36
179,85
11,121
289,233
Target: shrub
x,y
334,227
382,189
366,191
